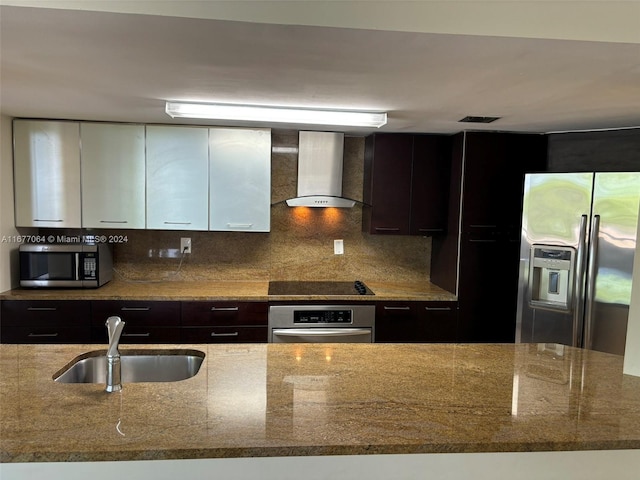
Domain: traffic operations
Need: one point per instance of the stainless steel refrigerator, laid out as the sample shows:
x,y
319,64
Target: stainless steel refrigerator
x,y
576,259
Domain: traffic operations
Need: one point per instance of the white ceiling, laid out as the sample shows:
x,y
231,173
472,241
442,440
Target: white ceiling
x,y
114,66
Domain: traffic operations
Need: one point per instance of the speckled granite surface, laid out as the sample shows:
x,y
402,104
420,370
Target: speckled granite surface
x,y
323,399
218,290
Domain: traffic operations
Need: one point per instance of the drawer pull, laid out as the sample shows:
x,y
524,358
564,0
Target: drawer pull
x,y
177,223
42,309
240,225
232,334
438,309
45,220
42,335
135,309
397,308
136,335
114,221
387,229
224,309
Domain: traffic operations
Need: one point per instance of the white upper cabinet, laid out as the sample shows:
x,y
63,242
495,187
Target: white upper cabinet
x,y
113,175
177,178
47,173
240,179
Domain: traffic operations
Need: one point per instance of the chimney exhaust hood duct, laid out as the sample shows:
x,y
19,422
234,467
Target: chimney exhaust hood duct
x,y
320,161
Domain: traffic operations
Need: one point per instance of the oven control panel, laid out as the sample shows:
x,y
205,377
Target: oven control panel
x,y
301,317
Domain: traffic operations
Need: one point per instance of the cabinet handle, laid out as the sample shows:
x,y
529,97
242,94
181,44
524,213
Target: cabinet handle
x,y
42,335
396,308
232,334
114,221
482,240
429,230
135,309
136,334
387,229
484,226
177,223
438,309
224,309
239,225
45,220
41,309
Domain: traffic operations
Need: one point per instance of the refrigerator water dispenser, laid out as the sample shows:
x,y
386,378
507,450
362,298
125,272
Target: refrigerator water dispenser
x,y
551,277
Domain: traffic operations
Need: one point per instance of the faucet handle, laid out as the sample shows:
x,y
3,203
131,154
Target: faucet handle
x,y
111,324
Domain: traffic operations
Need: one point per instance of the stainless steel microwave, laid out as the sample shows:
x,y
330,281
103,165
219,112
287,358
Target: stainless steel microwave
x,y
77,265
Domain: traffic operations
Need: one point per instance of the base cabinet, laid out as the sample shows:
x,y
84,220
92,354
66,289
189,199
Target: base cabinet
x,y
416,322
224,322
45,321
145,322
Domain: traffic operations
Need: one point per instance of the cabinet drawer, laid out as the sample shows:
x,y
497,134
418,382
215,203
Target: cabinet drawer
x,y
224,313
136,313
65,313
45,334
416,322
139,334
224,334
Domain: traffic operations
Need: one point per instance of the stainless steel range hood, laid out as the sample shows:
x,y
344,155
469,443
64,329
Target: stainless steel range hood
x,y
320,156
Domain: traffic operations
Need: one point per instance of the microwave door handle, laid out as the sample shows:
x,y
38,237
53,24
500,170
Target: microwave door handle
x,y
77,266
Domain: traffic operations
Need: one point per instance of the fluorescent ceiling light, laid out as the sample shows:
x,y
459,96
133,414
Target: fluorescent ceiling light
x,y
254,113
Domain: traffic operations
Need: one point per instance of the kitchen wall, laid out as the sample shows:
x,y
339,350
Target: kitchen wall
x,y
299,246
8,248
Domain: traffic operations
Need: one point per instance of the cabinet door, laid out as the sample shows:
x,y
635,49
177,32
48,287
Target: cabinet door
x,y
416,322
240,179
430,184
113,175
145,321
45,321
177,178
494,169
387,183
47,173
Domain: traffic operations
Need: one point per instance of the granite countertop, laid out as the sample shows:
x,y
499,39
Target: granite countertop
x,y
323,399
224,291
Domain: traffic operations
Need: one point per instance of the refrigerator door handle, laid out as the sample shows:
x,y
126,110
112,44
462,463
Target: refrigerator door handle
x,y
578,283
591,281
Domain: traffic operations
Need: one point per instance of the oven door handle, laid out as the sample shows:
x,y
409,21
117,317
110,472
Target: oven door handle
x,y
320,332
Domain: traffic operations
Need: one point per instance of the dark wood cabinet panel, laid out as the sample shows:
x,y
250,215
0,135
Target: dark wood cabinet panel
x,y
487,182
133,334
67,313
431,169
235,334
387,188
45,321
138,313
225,322
416,322
406,183
145,321
224,313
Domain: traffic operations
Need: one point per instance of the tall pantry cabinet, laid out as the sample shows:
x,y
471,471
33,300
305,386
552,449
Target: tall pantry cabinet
x,y
478,258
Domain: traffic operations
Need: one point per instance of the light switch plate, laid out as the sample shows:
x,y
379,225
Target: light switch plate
x,y
338,247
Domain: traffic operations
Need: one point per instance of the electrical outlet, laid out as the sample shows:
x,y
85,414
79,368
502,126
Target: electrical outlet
x,y
338,247
185,245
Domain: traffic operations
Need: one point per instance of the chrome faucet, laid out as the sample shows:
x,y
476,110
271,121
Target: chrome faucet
x,y
114,329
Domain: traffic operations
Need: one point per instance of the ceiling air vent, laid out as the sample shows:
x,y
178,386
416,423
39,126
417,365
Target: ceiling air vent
x,y
471,119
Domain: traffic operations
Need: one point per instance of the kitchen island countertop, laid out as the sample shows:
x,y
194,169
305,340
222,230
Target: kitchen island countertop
x,y
237,290
267,400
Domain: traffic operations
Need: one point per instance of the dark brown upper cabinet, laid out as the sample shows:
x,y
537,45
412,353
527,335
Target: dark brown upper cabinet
x,y
406,183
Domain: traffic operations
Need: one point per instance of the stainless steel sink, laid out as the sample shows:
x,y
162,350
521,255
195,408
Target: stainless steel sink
x,y
165,365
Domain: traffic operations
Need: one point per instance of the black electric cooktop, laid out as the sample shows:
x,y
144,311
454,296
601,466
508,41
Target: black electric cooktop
x,y
318,288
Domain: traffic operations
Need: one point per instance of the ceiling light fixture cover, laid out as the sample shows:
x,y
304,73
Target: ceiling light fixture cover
x,y
256,113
